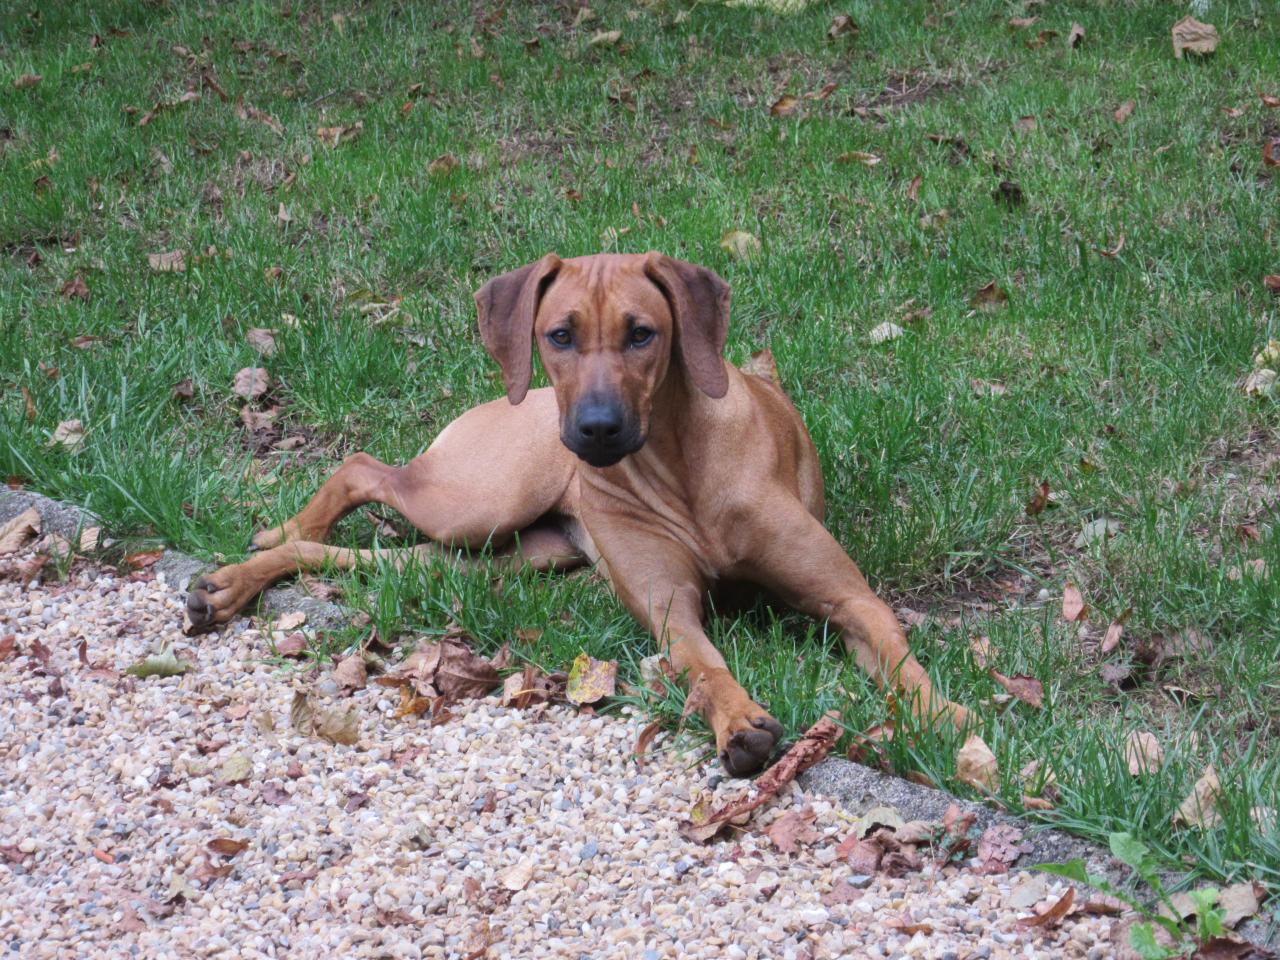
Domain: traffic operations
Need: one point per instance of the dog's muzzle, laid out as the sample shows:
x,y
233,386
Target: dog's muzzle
x,y
600,432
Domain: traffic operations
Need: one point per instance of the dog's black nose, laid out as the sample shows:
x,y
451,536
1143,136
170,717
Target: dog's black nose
x,y
600,423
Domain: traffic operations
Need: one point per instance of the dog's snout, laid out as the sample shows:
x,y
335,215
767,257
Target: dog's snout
x,y
600,423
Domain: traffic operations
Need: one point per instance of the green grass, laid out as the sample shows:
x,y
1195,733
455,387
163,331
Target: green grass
x,y
1130,363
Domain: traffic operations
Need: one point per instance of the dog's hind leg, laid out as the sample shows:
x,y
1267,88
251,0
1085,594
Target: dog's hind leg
x,y
217,597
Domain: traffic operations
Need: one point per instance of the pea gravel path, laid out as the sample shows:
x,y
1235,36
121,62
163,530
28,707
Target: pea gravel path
x,y
500,834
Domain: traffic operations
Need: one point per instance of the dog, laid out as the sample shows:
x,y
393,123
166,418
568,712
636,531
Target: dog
x,y
649,456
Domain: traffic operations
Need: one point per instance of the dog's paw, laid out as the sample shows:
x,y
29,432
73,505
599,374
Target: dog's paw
x,y
748,749
208,604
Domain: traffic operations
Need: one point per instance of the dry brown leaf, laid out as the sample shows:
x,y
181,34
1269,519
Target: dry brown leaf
x,y
255,420
913,188
808,750
1271,152
999,848
1123,111
76,289
1027,689
332,136
1200,807
532,686
858,156
350,673
1189,34
226,846
740,244
26,80
1269,101
1036,803
1026,124
262,340
784,106
1021,23
251,383
842,25
1073,605
447,669
976,765
18,532
1111,639
1114,251
517,876
1240,900
1052,916
989,297
1036,505
442,164
1074,36
605,38
792,829
170,261
69,434
642,741
1143,753
1272,282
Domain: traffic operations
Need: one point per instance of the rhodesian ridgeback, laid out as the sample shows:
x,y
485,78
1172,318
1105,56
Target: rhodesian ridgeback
x,y
649,455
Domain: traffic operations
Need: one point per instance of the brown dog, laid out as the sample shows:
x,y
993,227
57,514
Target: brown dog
x,y
649,455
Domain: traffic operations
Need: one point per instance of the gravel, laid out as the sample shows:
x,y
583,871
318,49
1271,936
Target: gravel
x,y
500,833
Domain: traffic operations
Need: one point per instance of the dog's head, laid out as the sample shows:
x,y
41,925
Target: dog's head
x,y
608,329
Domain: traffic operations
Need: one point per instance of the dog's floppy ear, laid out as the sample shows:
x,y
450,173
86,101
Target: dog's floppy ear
x,y
699,302
507,307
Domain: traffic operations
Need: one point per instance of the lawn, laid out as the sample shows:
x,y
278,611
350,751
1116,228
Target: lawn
x,y
928,154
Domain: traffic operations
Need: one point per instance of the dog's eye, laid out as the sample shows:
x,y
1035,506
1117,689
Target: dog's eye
x,y
561,337
640,336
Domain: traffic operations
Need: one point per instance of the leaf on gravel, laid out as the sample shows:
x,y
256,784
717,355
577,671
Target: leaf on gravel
x,y
885,331
350,673
1052,916
262,340
531,686
989,297
1200,807
162,664
863,855
235,769
1025,688
740,244
1240,900
171,261
808,750
21,530
999,848
448,668
591,680
411,705
976,765
517,876
643,741
1142,753
251,383
1192,36
793,828
69,434
76,288
1073,606
226,846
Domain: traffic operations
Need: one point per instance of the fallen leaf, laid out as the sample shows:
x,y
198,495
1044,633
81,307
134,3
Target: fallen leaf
x,y
1191,35
1053,915
604,38
1036,505
26,80
283,216
69,434
842,25
256,420
247,111
1114,251
1037,803
1096,531
1272,282
251,383
1260,383
517,876
226,846
913,188
1123,111
1269,101
1074,36
999,848
1021,23
591,680
532,686
1142,753
1111,639
1009,193
884,332
18,532
793,828
262,340
784,106
989,297
1027,689
643,741
172,261
740,244
1200,807
1026,124
350,673
332,136
447,668
162,664
76,289
859,156
235,769
976,765
808,750
291,645
143,559
1073,605
442,164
